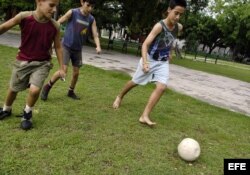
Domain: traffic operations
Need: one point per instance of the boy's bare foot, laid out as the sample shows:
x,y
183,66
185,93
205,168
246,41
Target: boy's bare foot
x,y
147,121
117,102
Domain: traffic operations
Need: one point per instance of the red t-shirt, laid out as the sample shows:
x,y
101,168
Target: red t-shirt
x,y
36,38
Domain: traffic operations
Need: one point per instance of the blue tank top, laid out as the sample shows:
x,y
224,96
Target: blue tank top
x,y
77,30
160,48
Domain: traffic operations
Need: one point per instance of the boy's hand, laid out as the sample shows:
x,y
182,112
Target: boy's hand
x,y
62,74
145,67
98,50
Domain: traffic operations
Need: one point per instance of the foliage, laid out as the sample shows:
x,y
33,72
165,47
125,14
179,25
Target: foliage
x,y
141,15
234,22
227,24
108,13
12,9
65,5
197,5
209,33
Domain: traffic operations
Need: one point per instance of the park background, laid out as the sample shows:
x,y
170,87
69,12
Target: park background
x,y
216,29
75,139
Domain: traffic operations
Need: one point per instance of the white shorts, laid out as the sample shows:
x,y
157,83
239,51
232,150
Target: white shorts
x,y
158,72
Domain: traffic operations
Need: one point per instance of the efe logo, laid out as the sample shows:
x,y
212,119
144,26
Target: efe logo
x,y
236,166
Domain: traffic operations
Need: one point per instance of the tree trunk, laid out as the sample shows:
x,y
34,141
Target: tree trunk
x,y
203,48
235,53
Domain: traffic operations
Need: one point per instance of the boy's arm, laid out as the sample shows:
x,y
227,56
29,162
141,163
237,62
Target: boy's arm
x,y
150,38
10,23
180,28
96,37
65,17
59,53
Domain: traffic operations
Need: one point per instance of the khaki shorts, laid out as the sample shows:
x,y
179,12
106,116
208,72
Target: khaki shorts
x,y
26,73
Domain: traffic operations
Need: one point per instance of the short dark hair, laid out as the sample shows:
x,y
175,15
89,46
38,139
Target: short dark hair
x,y
174,3
92,2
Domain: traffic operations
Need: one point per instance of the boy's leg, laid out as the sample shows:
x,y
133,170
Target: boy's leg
x,y
6,110
56,76
46,88
153,99
40,71
74,80
33,95
128,86
76,59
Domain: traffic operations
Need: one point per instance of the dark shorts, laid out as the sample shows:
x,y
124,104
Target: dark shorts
x,y
75,56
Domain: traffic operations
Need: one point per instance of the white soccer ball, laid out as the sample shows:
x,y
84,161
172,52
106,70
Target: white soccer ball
x,y
189,149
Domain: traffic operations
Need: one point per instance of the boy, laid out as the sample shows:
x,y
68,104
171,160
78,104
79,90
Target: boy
x,y
38,32
80,21
154,64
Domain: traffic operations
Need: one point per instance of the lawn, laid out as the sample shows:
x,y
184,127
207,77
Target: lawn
x,y
225,68
89,137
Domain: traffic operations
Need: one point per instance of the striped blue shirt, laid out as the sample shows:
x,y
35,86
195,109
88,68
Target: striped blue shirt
x,y
161,46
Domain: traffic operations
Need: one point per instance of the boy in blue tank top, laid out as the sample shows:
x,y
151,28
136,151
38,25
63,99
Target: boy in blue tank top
x,y
154,64
79,23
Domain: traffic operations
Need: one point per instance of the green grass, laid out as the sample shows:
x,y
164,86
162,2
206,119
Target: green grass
x,y
219,61
232,70
89,137
131,48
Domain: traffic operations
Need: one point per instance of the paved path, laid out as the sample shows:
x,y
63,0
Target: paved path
x,y
216,90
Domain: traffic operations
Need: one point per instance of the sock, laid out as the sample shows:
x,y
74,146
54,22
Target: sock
x,y
50,83
27,109
71,89
6,108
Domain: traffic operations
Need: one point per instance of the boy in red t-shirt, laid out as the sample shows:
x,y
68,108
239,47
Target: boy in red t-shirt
x,y
33,62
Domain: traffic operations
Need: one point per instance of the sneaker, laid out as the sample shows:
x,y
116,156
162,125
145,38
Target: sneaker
x,y
45,92
26,122
72,95
4,114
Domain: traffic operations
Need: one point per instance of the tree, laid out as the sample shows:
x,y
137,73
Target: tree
x,y
107,12
139,15
195,6
234,21
192,22
11,9
209,33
